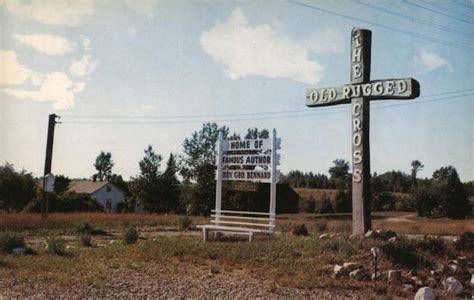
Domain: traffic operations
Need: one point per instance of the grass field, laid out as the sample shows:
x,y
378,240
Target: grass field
x,y
175,262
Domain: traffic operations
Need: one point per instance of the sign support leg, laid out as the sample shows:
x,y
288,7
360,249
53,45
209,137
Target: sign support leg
x,y
219,178
273,183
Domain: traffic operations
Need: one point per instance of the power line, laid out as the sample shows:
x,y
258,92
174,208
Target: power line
x,y
230,115
436,12
463,4
296,115
450,44
441,7
414,19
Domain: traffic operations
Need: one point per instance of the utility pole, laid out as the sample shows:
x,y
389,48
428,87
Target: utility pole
x,y
47,165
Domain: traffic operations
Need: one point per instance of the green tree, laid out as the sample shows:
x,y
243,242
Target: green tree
x,y
425,199
61,184
16,188
103,164
340,168
254,133
150,164
342,202
325,206
310,205
383,201
340,173
416,166
453,198
199,165
146,188
118,181
170,185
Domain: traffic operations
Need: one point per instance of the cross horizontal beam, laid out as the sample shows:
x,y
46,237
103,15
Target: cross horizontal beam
x,y
405,89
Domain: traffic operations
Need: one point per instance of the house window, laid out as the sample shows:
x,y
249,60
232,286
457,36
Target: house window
x,y
108,189
108,204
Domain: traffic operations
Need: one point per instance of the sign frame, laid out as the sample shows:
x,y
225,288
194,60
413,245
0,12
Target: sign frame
x,y
273,144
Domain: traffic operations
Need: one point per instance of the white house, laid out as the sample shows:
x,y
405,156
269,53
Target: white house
x,y
105,193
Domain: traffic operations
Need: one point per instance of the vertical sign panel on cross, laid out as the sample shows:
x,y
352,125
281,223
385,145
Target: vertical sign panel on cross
x,y
359,93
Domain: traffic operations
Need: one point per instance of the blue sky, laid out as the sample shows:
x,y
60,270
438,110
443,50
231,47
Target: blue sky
x,y
253,59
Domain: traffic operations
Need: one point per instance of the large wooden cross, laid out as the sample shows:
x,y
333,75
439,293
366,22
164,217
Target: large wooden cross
x,y
360,92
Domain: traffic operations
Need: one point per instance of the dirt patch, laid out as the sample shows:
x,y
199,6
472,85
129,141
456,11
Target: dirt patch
x,y
169,281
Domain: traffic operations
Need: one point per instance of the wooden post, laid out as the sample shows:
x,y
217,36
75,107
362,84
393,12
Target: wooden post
x,y
274,180
47,164
219,178
360,73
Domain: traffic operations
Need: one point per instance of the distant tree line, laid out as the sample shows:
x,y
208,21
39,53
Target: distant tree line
x,y
444,194
186,184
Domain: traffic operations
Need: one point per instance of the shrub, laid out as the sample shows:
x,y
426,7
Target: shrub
x,y
342,202
184,222
84,228
425,200
404,203
451,192
325,206
16,188
10,241
321,225
383,201
343,246
86,240
300,230
466,241
57,246
68,202
343,227
131,235
286,227
403,254
433,246
309,205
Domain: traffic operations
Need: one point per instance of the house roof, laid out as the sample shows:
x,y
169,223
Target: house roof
x,y
86,186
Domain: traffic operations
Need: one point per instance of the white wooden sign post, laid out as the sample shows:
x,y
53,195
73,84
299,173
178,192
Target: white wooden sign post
x,y
252,160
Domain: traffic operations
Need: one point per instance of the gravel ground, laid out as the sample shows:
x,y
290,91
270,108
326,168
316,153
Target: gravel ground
x,y
155,281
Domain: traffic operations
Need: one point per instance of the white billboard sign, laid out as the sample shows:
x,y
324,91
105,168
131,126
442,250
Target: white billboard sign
x,y
246,160
248,175
255,144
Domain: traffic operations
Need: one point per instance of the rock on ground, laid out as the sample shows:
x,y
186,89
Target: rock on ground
x,y
395,277
425,293
452,286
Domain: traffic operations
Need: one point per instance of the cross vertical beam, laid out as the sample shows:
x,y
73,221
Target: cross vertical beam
x,y
360,73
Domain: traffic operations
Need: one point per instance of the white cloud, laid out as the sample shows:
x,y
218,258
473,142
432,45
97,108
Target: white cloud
x,y
55,87
83,66
45,43
326,41
144,7
259,50
147,107
53,12
11,71
86,43
132,31
433,61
